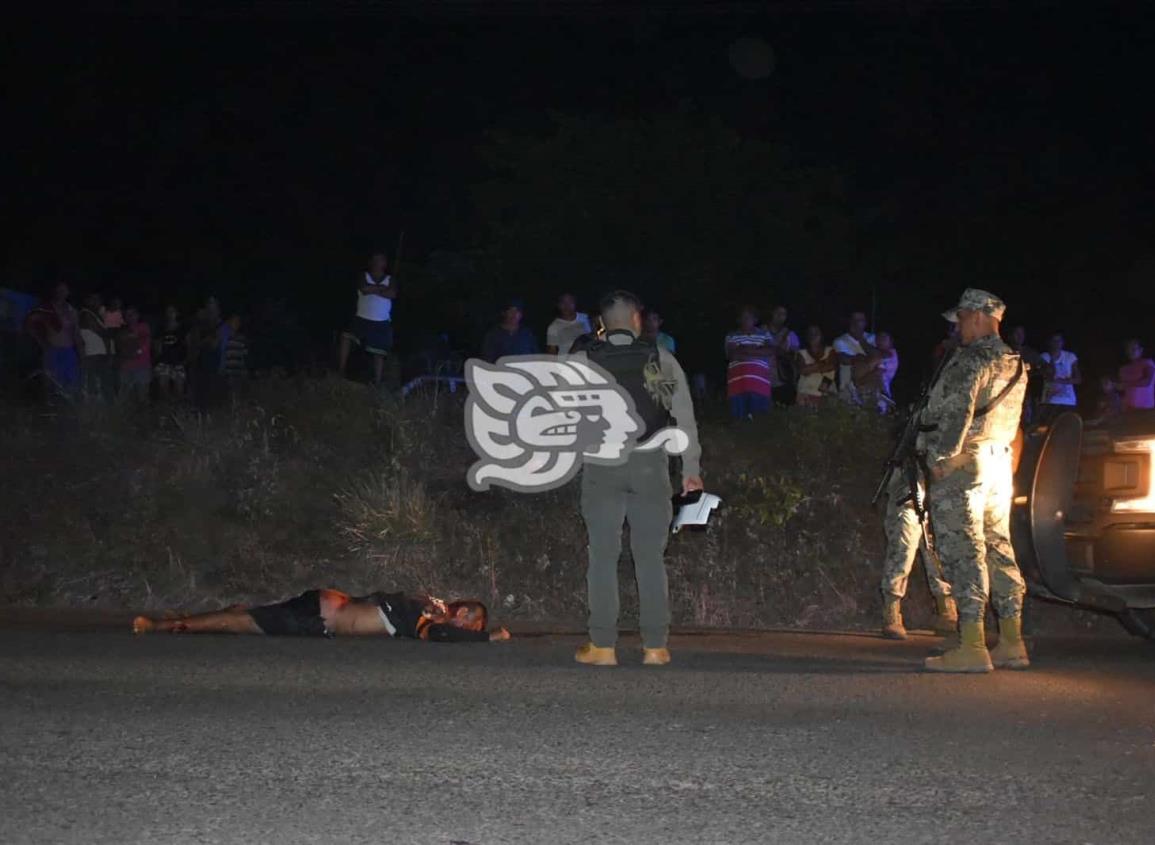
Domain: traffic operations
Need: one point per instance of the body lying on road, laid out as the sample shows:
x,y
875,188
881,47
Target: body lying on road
x,y
327,613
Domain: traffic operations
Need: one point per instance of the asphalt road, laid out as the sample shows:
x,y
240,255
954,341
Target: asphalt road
x,y
788,738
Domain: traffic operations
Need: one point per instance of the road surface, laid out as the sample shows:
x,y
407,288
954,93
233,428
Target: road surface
x,y
790,738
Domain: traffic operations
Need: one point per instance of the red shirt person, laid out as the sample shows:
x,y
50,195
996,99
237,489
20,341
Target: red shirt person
x,y
750,353
1136,384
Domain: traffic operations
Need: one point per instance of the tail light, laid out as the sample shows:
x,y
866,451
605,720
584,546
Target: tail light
x,y
1127,477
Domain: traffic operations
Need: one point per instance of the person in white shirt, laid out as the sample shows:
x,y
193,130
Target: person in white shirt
x,y
855,350
372,327
569,325
98,382
1060,375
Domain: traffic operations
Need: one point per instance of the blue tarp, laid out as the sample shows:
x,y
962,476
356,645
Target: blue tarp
x,y
14,307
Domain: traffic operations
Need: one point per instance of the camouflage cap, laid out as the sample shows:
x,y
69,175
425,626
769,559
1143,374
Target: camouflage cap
x,y
974,299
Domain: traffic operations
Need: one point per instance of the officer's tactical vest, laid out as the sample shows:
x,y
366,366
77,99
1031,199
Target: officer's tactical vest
x,y
635,366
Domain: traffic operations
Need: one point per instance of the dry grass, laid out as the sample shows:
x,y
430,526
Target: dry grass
x,y
322,482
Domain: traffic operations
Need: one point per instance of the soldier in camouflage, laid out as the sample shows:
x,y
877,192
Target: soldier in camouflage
x,y
905,539
968,428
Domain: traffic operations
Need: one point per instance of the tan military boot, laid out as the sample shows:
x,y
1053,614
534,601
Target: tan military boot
x,y
949,641
592,655
970,656
892,627
1011,652
946,615
655,656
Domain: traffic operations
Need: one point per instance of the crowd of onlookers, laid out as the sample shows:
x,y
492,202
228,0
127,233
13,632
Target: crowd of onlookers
x,y
768,364
105,350
1055,378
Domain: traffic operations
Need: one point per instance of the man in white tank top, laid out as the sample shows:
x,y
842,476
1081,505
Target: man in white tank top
x,y
372,326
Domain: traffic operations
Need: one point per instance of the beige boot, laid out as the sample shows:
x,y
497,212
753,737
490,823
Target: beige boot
x,y
892,627
971,656
655,656
592,655
1011,652
949,641
946,616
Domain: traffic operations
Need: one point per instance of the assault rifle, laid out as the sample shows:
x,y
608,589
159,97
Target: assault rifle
x,y
903,456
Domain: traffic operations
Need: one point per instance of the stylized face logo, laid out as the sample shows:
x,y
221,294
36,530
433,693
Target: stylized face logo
x,y
533,420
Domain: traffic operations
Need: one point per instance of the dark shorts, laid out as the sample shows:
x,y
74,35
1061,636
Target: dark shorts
x,y
747,404
374,336
63,366
297,617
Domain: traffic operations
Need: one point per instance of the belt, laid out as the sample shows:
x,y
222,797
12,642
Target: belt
x,y
990,449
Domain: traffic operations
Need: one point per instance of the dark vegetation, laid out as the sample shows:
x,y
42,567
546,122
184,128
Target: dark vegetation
x,y
324,482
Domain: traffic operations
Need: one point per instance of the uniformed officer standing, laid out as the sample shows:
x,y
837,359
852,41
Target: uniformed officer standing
x,y
905,539
970,423
638,491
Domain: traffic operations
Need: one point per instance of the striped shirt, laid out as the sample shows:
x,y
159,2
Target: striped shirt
x,y
748,376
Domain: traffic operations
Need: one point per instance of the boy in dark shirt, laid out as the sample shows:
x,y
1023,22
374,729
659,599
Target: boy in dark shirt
x,y
509,336
328,613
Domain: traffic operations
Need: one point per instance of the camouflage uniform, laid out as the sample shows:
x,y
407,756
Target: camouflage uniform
x,y
970,505
904,541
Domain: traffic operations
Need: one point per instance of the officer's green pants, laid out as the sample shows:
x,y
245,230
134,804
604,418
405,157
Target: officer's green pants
x,y
637,492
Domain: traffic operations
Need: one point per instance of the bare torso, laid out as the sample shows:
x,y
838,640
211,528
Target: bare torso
x,y
346,617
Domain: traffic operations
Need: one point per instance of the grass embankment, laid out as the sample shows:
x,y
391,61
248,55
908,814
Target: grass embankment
x,y
323,483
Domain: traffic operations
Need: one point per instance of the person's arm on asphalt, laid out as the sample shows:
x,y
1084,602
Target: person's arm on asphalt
x,y
443,633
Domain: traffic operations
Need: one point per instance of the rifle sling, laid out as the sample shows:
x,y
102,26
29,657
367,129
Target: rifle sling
x,y
990,406
994,403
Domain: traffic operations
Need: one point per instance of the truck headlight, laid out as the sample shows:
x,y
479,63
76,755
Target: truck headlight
x,y
1127,477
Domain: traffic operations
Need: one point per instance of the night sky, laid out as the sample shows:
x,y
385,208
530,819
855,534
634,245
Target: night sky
x,y
262,150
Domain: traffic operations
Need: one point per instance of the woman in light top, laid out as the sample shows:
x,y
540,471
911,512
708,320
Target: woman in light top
x,y
817,366
1060,376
